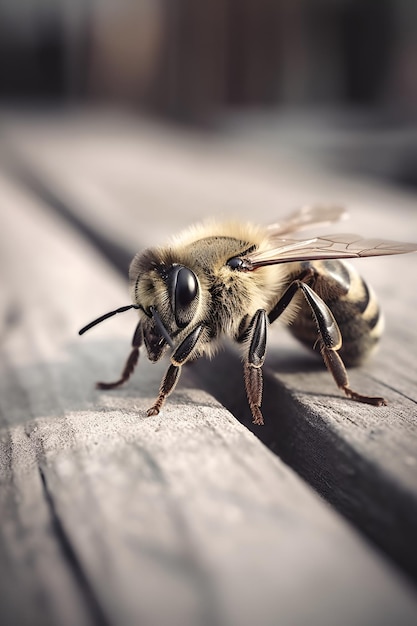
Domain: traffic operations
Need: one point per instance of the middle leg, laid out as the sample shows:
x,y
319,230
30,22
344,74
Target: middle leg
x,y
252,368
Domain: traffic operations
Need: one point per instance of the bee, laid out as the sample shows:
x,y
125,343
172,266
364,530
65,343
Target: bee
x,y
233,280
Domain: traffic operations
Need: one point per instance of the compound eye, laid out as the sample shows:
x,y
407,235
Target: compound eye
x,y
186,288
184,291
235,263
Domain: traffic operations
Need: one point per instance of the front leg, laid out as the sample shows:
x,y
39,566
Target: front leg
x,y
256,337
185,351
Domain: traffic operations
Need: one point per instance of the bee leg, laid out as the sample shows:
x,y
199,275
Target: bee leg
x,y
256,334
167,385
253,385
329,337
130,363
184,352
330,342
337,368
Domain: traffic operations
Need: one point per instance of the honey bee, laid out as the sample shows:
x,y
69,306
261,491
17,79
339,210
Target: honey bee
x,y
235,279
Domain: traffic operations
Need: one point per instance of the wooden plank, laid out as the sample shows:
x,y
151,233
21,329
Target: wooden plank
x,y
361,459
37,570
110,517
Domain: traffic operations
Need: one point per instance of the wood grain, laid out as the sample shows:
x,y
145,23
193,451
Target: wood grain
x,y
110,517
156,180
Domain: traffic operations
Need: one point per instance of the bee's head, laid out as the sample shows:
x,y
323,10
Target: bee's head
x,y
170,288
168,293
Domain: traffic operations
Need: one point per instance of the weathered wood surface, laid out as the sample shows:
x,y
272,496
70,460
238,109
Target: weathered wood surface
x,y
109,517
157,180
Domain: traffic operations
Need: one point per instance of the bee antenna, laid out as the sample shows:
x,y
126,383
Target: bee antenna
x,y
122,309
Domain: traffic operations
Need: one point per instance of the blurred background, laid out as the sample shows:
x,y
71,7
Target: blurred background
x,y
347,67
336,78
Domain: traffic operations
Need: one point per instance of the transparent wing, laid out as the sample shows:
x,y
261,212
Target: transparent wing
x,y
337,246
305,217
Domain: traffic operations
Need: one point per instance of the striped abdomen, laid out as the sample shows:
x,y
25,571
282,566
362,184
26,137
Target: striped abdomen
x,y
353,304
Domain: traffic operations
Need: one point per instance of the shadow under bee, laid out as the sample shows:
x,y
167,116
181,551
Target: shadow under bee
x,y
222,377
